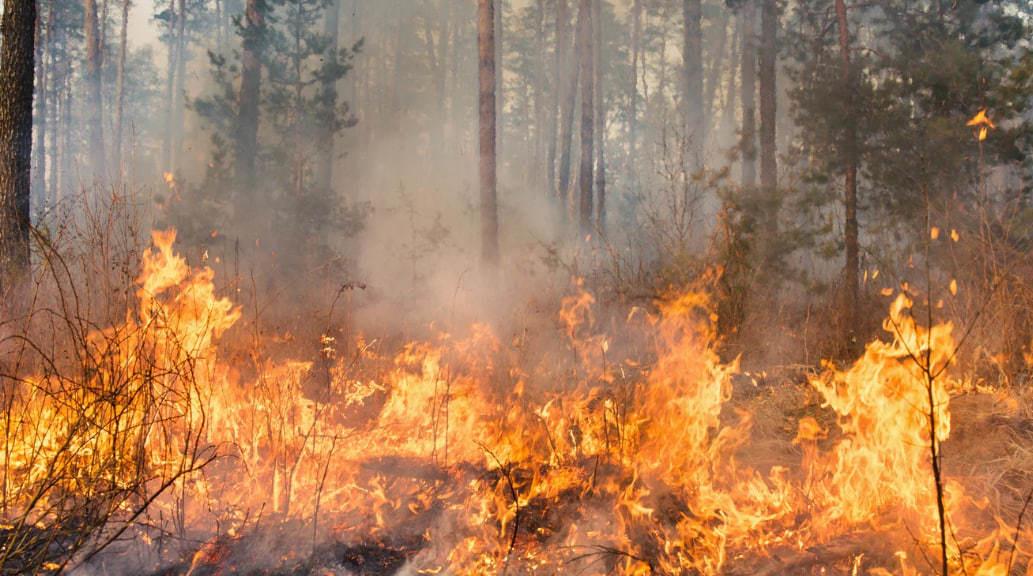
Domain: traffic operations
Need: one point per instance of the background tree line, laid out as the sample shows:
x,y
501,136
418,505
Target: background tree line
x,y
803,147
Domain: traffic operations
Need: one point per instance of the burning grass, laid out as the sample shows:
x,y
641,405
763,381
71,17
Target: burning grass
x,y
163,443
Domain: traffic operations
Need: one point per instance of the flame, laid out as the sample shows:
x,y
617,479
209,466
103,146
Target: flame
x,y
882,404
983,124
588,457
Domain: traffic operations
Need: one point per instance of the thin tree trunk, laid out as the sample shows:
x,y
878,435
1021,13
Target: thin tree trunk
x,y
247,101
716,67
170,83
600,116
399,77
586,63
53,87
500,72
570,81
441,80
56,86
748,143
39,175
557,84
179,108
64,128
299,139
325,170
692,100
731,93
537,176
104,26
636,53
768,95
852,264
16,76
120,93
486,72
94,100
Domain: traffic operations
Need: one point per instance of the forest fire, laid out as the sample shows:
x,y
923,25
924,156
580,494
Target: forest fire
x,y
455,456
515,287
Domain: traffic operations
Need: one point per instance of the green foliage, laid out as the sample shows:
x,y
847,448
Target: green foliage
x,y
297,114
919,71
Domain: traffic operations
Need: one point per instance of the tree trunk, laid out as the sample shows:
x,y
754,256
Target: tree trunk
x,y
325,169
17,54
636,53
441,81
569,96
768,95
486,72
298,109
120,93
714,77
500,86
692,100
600,116
586,63
729,110
64,128
56,87
748,143
852,264
39,175
557,88
179,108
54,103
247,100
537,176
104,26
396,118
94,100
170,84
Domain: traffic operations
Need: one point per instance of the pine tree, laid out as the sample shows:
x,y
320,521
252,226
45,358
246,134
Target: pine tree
x,y
487,130
17,55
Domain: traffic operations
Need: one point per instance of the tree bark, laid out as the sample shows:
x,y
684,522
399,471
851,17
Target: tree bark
x,y
170,83
714,76
500,87
94,100
569,79
17,55
558,86
69,149
729,102
537,176
692,99
768,101
487,80
586,63
636,53
748,143
600,116
120,93
39,174
248,99
179,108
852,264
325,168
441,81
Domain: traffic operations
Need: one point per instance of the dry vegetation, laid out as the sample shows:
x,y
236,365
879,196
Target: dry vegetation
x,y
152,423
